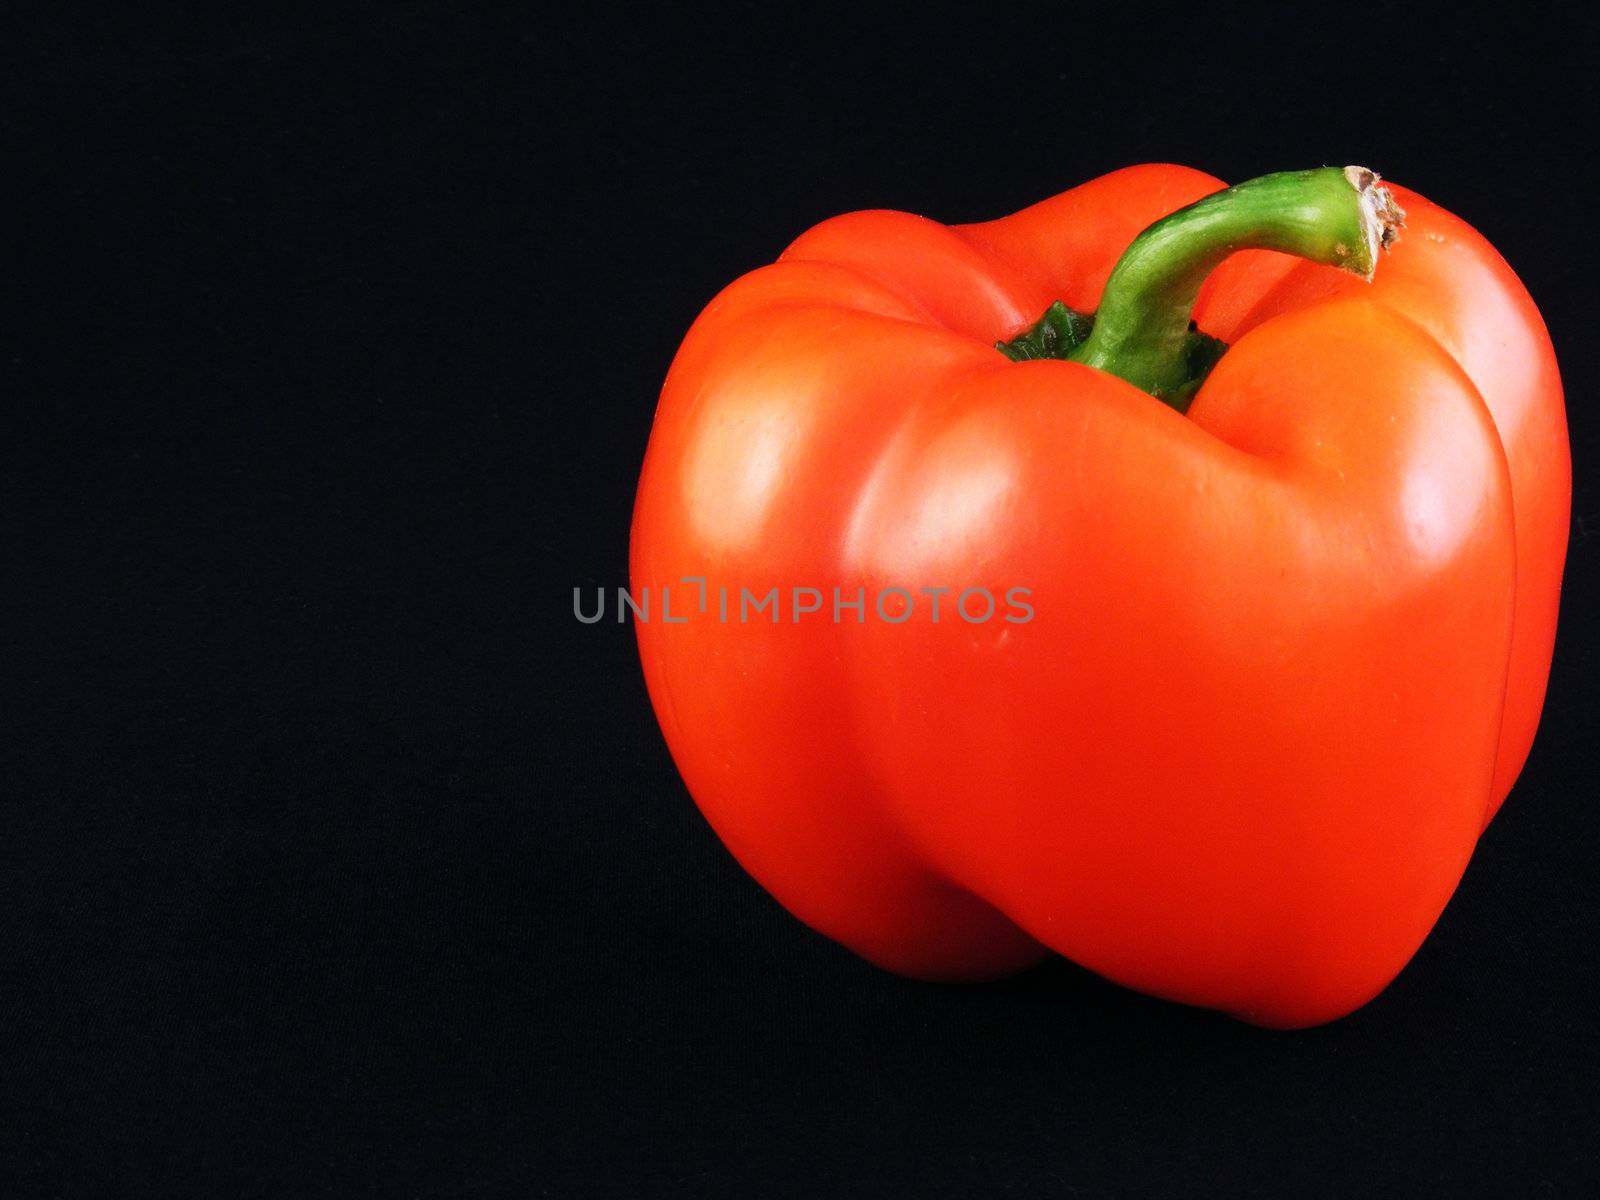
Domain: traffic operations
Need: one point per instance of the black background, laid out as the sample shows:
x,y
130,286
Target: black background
x,y
339,860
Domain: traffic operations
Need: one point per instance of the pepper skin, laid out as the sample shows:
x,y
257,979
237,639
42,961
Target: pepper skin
x,y
1289,647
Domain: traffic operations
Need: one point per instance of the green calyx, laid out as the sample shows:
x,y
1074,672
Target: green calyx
x,y
1143,331
1055,335
1062,330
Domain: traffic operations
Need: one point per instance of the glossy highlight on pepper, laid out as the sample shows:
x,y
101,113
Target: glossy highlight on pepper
x,y
1292,509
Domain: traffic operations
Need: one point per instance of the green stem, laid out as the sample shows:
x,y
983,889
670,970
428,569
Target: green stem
x,y
1142,330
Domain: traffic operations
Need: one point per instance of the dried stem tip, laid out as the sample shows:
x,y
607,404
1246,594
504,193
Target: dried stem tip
x,y
1381,218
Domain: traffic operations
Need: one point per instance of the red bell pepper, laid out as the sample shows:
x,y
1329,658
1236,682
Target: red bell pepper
x,y
1287,522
